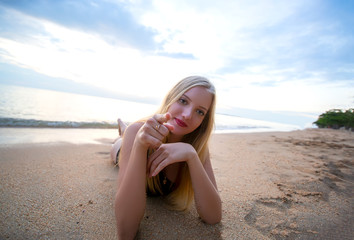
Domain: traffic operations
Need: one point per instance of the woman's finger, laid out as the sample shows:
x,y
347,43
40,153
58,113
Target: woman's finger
x,y
163,130
154,158
158,167
150,159
162,118
155,129
169,126
159,126
149,140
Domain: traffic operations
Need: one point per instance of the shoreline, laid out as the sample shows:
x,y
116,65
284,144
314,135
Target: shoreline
x,y
273,185
35,135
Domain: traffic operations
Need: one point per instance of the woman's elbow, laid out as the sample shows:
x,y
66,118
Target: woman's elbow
x,y
122,232
213,217
124,229
127,221
213,220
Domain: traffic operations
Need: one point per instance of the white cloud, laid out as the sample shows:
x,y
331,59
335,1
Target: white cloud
x,y
303,95
219,34
217,30
83,57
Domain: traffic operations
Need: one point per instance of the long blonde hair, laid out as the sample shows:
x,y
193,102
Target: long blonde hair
x,y
182,197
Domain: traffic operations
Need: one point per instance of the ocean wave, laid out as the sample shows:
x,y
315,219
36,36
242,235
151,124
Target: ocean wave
x,y
220,127
34,123
238,127
19,122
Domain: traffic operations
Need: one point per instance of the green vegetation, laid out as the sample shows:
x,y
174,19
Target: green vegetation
x,y
336,119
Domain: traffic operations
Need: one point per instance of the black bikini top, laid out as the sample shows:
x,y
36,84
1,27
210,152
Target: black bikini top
x,y
165,184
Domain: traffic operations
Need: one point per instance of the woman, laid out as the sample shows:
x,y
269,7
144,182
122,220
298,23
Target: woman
x,y
168,154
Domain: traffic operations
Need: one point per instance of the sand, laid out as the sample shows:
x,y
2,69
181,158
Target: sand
x,y
279,185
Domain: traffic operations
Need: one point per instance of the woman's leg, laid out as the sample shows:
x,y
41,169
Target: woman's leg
x,y
118,142
121,127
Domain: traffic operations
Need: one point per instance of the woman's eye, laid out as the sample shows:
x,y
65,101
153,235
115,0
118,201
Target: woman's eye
x,y
184,102
201,113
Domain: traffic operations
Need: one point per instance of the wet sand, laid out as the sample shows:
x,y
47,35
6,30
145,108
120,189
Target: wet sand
x,y
281,185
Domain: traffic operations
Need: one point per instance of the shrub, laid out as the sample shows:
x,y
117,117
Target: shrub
x,y
336,118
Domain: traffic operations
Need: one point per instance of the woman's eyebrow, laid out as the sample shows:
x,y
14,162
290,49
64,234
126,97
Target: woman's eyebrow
x,y
204,108
191,101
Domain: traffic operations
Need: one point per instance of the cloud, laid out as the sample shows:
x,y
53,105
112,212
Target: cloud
x,y
111,20
271,55
61,52
238,35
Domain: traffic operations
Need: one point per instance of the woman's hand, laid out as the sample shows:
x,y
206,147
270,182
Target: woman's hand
x,y
154,131
168,154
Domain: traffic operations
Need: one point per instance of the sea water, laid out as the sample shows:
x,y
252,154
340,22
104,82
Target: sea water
x,y
32,108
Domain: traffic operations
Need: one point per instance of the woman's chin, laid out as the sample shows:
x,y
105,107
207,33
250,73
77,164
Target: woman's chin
x,y
176,134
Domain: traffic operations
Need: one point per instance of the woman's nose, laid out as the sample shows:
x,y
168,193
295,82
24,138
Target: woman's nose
x,y
187,113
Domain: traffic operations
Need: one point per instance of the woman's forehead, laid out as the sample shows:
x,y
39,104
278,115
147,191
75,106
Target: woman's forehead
x,y
200,96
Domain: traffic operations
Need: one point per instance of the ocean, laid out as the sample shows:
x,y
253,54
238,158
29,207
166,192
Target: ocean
x,y
45,115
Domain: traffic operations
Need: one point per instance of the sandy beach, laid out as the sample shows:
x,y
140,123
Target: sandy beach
x,y
274,185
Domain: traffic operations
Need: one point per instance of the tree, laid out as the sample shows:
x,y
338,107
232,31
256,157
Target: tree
x,y
336,118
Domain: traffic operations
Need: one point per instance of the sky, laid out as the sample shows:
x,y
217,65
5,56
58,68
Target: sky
x,y
262,55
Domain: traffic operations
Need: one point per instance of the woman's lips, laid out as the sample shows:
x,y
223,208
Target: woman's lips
x,y
180,122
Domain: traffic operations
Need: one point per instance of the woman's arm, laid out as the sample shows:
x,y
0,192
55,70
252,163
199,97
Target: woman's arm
x,y
130,198
206,196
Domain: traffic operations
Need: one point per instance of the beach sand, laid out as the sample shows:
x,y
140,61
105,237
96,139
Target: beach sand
x,y
278,185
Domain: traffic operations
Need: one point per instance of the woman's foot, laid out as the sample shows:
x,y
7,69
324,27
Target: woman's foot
x,y
121,127
115,150
118,142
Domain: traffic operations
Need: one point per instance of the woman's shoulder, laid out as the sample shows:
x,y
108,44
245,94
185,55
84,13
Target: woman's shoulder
x,y
133,128
136,125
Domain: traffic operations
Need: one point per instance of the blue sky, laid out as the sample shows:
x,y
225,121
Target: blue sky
x,y
262,55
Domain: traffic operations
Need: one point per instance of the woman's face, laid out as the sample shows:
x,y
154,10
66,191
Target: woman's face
x,y
189,110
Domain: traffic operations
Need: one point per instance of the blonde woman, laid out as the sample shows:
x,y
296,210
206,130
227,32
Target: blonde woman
x,y
167,154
